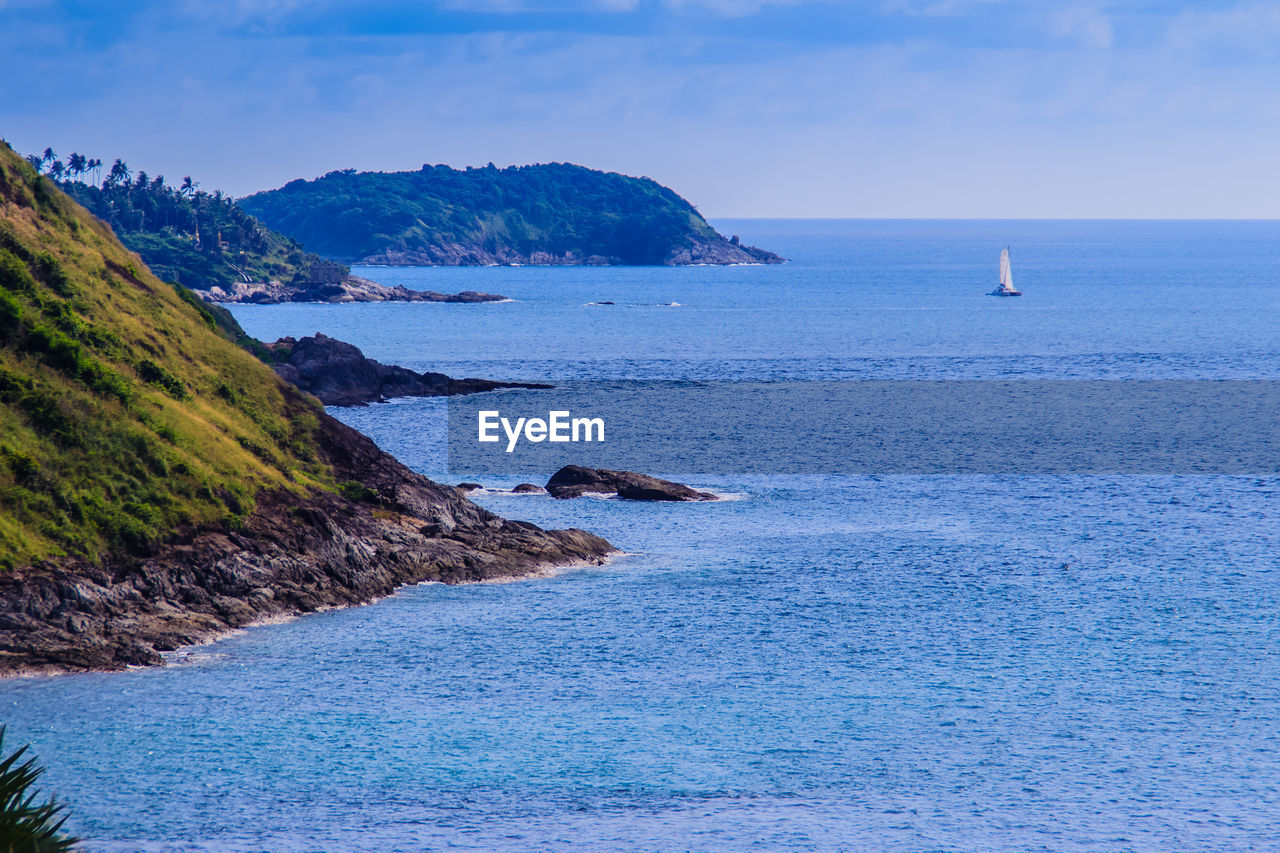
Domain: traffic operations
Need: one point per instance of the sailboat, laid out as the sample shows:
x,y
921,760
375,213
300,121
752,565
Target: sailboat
x,y
1006,287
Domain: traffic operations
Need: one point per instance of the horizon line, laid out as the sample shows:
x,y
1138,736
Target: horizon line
x,y
994,218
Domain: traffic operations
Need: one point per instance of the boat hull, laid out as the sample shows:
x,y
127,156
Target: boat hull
x,y
1005,293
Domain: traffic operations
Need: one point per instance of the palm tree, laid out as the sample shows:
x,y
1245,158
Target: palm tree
x,y
24,825
119,172
77,165
48,156
188,186
56,170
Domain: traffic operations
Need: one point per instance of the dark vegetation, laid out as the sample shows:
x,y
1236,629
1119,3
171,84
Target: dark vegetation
x,y
26,824
184,234
558,209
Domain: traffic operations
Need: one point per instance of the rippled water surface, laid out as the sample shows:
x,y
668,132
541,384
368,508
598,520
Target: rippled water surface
x,y
896,663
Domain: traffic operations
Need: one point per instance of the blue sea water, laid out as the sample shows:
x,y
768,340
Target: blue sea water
x,y
823,663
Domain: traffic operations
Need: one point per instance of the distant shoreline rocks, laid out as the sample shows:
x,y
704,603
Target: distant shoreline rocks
x,y
348,289
700,252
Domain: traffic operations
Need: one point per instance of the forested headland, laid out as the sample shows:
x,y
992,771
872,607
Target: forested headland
x,y
555,213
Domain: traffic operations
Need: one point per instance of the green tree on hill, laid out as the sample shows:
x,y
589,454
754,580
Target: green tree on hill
x,y
185,234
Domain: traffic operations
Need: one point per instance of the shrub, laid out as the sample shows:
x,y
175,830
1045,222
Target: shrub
x,y
24,469
14,274
157,375
10,315
26,825
358,492
48,268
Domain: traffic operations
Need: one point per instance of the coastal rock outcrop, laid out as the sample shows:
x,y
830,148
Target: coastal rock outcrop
x,y
574,481
339,374
722,252
347,289
388,527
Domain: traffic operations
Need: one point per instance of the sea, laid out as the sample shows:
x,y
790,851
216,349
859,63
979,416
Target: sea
x,y
824,661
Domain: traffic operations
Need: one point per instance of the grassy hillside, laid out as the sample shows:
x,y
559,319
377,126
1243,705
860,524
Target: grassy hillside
x,y
125,414
554,209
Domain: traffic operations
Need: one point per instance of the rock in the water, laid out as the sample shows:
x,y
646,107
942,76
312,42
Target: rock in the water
x,y
528,488
468,487
340,375
573,481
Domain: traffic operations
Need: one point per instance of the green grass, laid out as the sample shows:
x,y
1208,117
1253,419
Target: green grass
x,y
127,409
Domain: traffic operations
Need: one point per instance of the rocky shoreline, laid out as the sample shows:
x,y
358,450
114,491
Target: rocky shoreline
x,y
716,253
348,289
294,554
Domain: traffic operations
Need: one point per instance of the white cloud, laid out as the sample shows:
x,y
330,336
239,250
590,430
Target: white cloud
x,y
237,13
1088,24
1255,28
515,6
722,8
729,8
936,8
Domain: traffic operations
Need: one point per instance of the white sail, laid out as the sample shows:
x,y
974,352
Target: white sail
x,y
1006,271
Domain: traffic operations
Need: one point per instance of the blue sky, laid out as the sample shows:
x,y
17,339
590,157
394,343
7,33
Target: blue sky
x,y
788,108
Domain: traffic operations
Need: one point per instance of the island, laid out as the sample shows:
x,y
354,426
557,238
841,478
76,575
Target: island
x,y
161,485
554,213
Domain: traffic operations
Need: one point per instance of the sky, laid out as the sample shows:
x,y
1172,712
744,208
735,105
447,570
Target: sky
x,y
748,108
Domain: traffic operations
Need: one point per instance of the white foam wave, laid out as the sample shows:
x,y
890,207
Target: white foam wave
x,y
728,496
